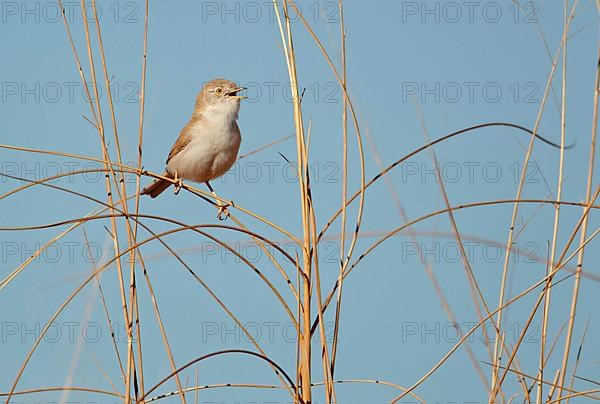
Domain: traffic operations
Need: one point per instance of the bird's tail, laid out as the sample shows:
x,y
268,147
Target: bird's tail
x,y
157,187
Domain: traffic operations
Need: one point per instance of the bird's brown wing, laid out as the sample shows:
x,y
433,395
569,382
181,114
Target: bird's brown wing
x,y
158,186
182,141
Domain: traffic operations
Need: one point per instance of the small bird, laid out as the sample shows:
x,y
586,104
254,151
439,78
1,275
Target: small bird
x,y
208,145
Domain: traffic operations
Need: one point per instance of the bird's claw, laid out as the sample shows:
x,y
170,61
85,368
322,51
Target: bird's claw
x,y
178,186
222,212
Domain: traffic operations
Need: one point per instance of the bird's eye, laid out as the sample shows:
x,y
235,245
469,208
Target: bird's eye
x,y
219,90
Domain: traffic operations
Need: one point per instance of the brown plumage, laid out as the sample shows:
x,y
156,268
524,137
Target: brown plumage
x,y
157,187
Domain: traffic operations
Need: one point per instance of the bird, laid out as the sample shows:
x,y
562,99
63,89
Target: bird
x,y
208,145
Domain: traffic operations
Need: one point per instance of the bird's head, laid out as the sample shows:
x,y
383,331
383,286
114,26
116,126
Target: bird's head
x,y
219,96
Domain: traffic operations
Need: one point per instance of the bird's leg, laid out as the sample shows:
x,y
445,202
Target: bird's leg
x,y
178,184
222,212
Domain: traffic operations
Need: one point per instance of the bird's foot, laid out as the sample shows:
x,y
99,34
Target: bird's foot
x,y
178,185
222,212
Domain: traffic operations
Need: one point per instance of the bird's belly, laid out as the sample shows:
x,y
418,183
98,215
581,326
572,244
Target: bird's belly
x,y
205,158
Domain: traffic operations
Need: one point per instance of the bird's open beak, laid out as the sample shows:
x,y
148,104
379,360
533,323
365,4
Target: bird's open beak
x,y
234,93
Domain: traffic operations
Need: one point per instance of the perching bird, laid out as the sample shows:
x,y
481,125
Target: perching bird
x,y
208,145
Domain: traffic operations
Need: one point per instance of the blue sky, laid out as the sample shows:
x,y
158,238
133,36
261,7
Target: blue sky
x,y
455,64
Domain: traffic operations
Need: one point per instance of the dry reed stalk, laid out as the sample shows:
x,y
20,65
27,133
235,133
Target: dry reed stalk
x,y
588,195
547,297
304,340
338,305
497,349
